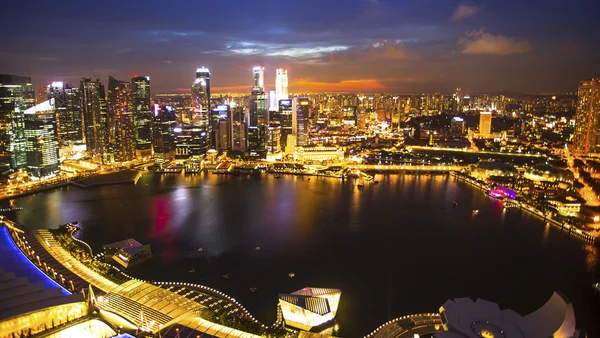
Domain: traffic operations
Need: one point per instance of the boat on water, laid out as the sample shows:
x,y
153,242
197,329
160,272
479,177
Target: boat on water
x,y
455,203
252,289
292,275
200,249
475,212
375,182
277,176
226,276
257,248
192,270
361,183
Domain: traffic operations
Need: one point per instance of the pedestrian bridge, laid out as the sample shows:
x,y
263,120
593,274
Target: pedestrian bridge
x,y
409,326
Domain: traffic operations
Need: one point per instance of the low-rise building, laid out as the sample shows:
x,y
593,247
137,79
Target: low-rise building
x,y
319,153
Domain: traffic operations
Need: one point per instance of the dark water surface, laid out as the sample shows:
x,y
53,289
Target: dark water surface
x,y
395,248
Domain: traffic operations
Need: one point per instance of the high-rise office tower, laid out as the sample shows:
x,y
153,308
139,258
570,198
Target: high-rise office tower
x,y
286,112
220,120
485,124
163,135
201,97
274,139
257,145
142,113
95,121
586,139
41,139
457,125
121,120
302,114
258,75
16,95
238,129
69,114
273,103
259,115
281,84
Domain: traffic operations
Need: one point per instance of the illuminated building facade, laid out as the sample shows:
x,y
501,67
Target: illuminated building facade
x,y
127,253
286,117
273,103
302,113
258,75
457,125
122,132
41,139
69,117
349,115
586,138
201,98
94,116
220,120
318,153
257,145
140,97
238,130
16,95
274,139
485,124
281,84
309,307
259,115
191,141
163,136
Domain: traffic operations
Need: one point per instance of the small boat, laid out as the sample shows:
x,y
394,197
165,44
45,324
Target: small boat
x,y
455,203
257,248
277,176
253,289
375,182
292,275
475,212
309,178
192,270
200,249
226,276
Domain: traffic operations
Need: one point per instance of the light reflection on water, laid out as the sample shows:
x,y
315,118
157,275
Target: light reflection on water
x,y
402,235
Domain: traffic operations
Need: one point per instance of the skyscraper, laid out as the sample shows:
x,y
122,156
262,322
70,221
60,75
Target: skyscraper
x,y
69,114
140,97
201,97
485,124
41,139
273,103
302,114
220,121
163,136
281,84
586,139
16,96
258,74
95,122
285,120
259,115
121,120
238,129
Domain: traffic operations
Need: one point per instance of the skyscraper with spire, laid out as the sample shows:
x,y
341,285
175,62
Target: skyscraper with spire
x,y
258,74
281,84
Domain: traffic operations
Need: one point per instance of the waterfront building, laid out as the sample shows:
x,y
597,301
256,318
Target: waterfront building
x,y
302,114
258,75
257,145
457,125
122,131
318,153
586,139
486,169
95,122
281,84
286,120
16,95
238,130
309,307
290,144
140,98
41,139
127,253
191,141
259,115
546,173
221,125
163,136
201,98
274,139
485,124
69,117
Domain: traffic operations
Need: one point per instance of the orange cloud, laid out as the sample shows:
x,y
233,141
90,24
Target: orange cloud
x,y
365,85
482,42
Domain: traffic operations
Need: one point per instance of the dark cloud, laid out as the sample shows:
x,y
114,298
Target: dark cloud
x,y
409,45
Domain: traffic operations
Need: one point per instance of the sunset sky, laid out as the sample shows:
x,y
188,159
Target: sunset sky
x,y
327,45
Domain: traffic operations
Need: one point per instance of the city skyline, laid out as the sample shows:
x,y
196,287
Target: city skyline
x,y
369,46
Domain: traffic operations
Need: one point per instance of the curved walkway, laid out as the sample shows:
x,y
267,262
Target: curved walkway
x,y
408,326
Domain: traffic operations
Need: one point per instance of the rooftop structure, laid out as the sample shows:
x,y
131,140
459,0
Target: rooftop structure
x,y
309,307
127,253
